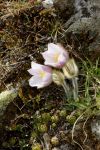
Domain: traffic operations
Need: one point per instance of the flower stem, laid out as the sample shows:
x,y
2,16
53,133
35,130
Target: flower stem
x,y
75,88
66,89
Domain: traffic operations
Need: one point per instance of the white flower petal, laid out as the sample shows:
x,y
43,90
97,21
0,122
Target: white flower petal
x,y
35,81
51,64
63,50
62,60
48,78
49,57
55,56
34,71
33,64
45,81
42,85
36,65
31,71
42,75
47,69
54,48
54,60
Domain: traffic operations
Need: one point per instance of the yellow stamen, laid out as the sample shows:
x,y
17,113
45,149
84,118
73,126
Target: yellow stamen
x,y
56,56
42,74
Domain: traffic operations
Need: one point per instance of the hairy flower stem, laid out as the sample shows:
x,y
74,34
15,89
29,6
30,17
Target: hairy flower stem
x,y
75,88
66,89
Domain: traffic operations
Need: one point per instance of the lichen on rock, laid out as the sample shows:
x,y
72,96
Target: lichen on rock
x,y
6,97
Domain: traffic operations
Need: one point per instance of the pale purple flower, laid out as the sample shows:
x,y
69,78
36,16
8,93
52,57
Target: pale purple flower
x,y
56,56
42,75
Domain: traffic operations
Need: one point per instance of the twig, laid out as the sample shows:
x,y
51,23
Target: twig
x,y
73,130
85,132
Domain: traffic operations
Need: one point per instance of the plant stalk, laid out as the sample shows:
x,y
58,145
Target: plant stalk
x,y
75,88
66,89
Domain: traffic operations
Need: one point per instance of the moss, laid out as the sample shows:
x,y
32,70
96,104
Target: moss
x,y
54,118
71,119
36,146
42,128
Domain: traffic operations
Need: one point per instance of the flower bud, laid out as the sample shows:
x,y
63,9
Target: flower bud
x,y
70,69
58,77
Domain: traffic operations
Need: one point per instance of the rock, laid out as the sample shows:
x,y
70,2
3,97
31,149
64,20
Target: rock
x,y
95,127
47,4
85,19
5,98
65,8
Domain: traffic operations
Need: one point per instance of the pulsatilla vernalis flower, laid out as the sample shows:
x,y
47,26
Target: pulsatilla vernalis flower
x,y
42,75
70,69
56,56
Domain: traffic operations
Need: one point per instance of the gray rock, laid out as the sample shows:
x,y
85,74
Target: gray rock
x,y
5,98
95,127
86,19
